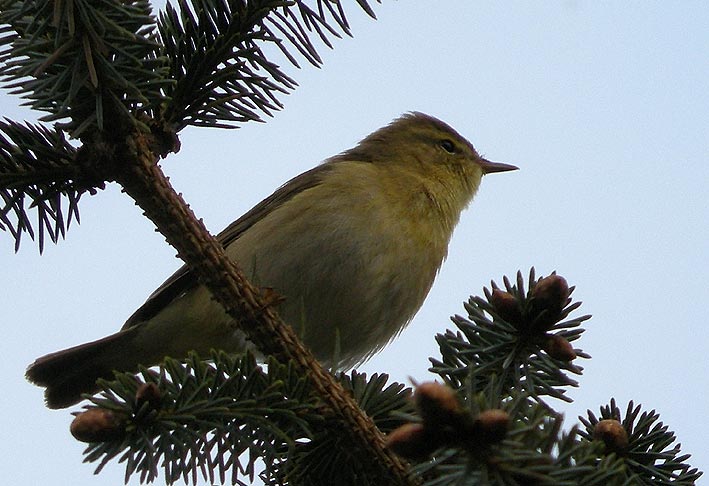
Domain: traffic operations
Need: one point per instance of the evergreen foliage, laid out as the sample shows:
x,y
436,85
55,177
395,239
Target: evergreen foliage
x,y
105,69
217,419
649,453
507,353
36,169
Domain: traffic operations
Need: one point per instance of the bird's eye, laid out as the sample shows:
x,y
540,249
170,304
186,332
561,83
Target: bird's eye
x,y
447,145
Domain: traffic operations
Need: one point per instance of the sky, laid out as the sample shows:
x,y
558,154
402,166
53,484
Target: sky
x,y
604,106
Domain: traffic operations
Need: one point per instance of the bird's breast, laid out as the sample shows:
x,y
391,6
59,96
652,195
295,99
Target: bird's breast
x,y
352,272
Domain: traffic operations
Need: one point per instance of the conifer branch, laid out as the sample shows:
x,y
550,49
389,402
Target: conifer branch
x,y
218,60
36,172
515,339
216,420
71,59
492,426
641,443
194,418
104,69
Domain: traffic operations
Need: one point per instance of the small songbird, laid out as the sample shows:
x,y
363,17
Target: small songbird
x,y
352,246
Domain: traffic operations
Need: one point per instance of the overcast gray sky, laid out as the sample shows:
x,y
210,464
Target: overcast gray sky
x,y
603,105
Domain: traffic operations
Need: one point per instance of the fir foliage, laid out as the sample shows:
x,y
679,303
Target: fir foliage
x,y
217,420
482,428
36,171
492,363
106,70
490,351
216,51
536,451
650,458
211,420
327,458
73,58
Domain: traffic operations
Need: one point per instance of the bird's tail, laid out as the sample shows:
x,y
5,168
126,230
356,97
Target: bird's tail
x,y
69,373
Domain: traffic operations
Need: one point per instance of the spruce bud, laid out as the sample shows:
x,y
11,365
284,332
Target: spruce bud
x,y
97,425
613,435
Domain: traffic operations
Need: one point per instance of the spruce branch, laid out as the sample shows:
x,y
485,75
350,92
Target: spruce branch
x,y
95,67
533,450
198,419
215,420
71,59
642,443
217,55
515,339
36,172
491,426
103,69
330,458
71,75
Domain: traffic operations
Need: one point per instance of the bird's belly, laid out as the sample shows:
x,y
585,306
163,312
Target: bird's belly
x,y
346,298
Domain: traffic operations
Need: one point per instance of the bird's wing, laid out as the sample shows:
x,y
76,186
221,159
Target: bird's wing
x,y
184,279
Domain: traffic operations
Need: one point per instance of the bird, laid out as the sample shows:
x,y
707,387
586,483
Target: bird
x,y
351,247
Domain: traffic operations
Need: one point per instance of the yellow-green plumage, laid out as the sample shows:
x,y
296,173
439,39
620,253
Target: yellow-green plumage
x,y
352,245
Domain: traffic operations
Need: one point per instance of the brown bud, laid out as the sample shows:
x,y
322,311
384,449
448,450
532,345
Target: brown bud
x,y
148,393
412,441
613,435
491,426
506,306
97,425
547,300
558,347
437,405
553,289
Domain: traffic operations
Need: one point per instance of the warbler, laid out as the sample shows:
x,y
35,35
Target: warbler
x,y
352,246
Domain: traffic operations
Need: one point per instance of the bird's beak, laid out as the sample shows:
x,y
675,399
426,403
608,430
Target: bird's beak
x,y
489,167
